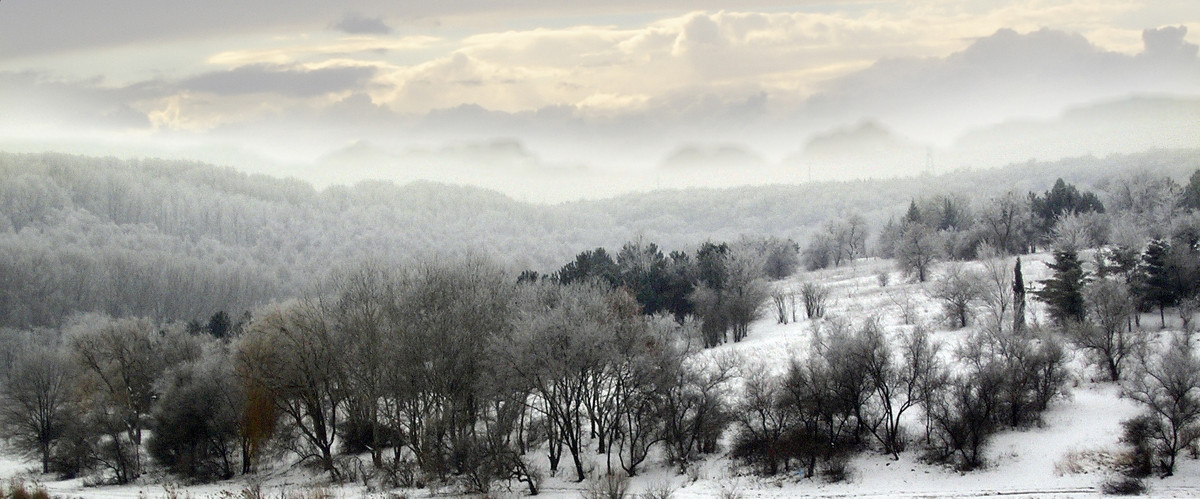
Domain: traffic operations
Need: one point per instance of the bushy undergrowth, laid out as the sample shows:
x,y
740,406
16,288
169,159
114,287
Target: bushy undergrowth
x,y
1123,486
18,489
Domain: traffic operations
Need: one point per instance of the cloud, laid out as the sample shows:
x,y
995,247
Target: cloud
x,y
285,81
625,89
355,23
369,47
37,101
1004,76
1168,42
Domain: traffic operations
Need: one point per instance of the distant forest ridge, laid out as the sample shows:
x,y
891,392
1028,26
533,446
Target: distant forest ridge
x,y
180,240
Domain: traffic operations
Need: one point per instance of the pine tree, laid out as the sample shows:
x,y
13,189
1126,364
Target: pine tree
x,y
1063,292
914,214
1156,283
219,324
1191,193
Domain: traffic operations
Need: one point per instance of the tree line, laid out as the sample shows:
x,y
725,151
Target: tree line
x,y
441,373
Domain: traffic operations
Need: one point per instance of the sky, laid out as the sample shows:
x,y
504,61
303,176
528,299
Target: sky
x,y
558,100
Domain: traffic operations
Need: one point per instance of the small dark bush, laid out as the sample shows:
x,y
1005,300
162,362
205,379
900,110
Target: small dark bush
x,y
1137,433
1123,486
18,490
836,471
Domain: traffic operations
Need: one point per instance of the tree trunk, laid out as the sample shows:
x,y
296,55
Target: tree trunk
x,y
245,456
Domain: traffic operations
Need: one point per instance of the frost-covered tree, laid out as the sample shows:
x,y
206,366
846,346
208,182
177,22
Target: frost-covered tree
x,y
1105,334
37,402
293,352
1004,223
194,424
916,251
1190,198
554,349
119,362
1168,386
958,289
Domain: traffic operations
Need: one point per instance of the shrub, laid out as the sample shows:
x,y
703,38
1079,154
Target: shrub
x,y
815,297
18,490
836,471
1137,433
1123,486
659,490
610,486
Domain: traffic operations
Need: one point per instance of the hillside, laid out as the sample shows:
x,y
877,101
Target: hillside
x,y
180,240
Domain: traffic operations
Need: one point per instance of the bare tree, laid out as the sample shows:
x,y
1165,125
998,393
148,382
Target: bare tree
x,y
442,323
120,360
359,314
917,250
897,382
958,289
780,299
745,293
816,297
1105,335
555,348
1005,222
1168,385
903,299
695,404
997,285
36,399
292,351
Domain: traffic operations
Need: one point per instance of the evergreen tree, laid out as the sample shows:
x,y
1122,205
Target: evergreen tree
x,y
592,264
711,262
528,276
643,271
680,283
1063,292
1156,285
1191,193
1062,199
219,324
1018,299
914,214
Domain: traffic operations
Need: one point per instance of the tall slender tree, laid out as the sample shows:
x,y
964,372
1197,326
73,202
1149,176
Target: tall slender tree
x,y
1018,299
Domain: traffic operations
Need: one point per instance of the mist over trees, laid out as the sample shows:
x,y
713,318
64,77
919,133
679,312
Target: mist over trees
x,y
180,240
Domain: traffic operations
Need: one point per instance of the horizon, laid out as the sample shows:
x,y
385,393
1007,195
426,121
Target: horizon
x,y
567,101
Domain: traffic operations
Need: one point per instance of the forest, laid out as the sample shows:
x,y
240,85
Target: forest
x,y
192,319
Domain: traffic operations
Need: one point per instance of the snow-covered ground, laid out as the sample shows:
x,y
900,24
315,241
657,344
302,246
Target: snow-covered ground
x,y
1066,456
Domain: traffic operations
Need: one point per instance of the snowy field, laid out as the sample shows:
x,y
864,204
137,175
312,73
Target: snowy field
x,y
1067,456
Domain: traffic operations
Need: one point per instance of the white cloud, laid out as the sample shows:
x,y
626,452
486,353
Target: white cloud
x,y
635,84
368,47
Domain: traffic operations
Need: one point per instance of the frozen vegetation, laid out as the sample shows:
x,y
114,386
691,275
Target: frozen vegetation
x,y
180,330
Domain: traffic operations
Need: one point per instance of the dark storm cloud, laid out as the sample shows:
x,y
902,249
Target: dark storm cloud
x,y
357,24
291,82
